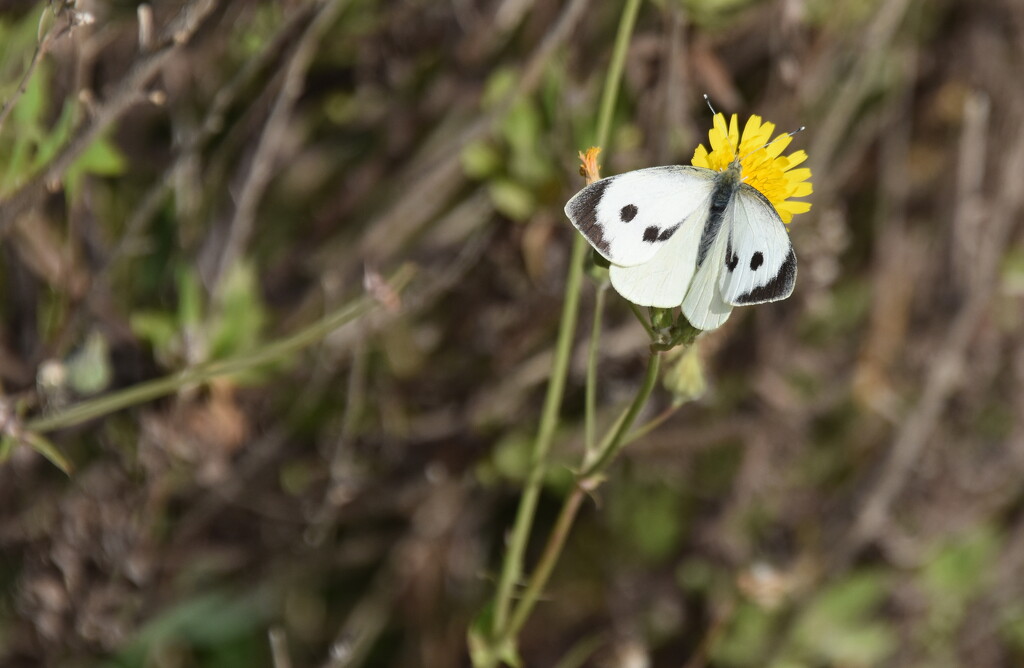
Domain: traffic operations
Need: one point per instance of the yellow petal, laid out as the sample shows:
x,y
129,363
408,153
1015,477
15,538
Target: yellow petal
x,y
795,207
721,127
776,148
801,174
752,126
796,158
700,157
802,190
763,165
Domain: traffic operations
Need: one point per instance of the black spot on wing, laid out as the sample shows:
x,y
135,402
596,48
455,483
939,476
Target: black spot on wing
x,y
779,287
628,213
756,260
582,209
731,260
655,233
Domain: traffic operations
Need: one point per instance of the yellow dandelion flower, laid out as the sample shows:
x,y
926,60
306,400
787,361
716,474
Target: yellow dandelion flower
x,y
761,160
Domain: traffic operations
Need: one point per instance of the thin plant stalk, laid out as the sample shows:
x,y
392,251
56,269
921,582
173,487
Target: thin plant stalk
x,y
618,440
590,399
274,352
512,566
585,481
643,320
552,551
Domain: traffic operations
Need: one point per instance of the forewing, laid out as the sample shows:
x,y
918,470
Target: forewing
x,y
704,306
663,280
760,265
628,218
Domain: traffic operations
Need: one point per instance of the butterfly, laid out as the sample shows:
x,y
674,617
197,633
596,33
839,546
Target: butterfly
x,y
688,236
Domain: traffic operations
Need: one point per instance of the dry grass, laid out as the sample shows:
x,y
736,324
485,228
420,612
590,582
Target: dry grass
x,y
848,493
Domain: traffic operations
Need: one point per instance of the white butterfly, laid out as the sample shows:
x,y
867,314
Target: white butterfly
x,y
689,236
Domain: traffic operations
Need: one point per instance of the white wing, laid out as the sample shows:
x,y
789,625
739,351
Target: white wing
x,y
760,265
704,306
663,280
628,218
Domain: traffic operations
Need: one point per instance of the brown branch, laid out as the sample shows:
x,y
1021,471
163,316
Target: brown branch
x,y
273,140
947,369
211,125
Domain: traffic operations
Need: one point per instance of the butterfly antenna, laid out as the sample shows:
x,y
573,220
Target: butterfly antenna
x,y
708,101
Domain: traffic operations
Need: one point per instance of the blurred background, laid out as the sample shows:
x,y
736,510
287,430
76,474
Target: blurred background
x,y
193,181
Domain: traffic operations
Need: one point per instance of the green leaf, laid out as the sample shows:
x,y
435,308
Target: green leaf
x,y
101,158
239,324
190,299
209,620
840,626
959,567
499,85
51,141
7,443
512,199
47,449
745,640
647,516
89,369
30,108
480,160
1011,626
160,330
521,127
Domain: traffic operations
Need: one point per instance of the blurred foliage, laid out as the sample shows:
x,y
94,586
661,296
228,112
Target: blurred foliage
x,y
358,498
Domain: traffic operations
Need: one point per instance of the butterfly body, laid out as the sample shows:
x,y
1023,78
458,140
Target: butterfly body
x,y
688,236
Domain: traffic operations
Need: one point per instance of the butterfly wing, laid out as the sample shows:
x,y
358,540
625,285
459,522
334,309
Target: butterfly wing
x,y
630,217
759,264
704,306
662,281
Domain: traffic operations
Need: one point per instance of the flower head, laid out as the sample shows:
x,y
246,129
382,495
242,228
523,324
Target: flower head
x,y
763,165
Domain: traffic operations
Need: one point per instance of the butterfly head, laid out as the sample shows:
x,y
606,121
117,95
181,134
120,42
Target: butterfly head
x,y
734,170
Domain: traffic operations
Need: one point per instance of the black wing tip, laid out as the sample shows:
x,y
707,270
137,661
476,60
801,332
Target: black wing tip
x,y
776,289
582,212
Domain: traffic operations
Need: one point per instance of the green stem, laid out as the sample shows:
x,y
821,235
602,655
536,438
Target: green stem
x,y
590,400
585,481
642,320
159,387
609,452
614,76
656,422
512,567
552,551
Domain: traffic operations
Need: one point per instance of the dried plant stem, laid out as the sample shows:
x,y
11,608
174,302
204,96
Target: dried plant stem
x,y
272,141
279,647
159,387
